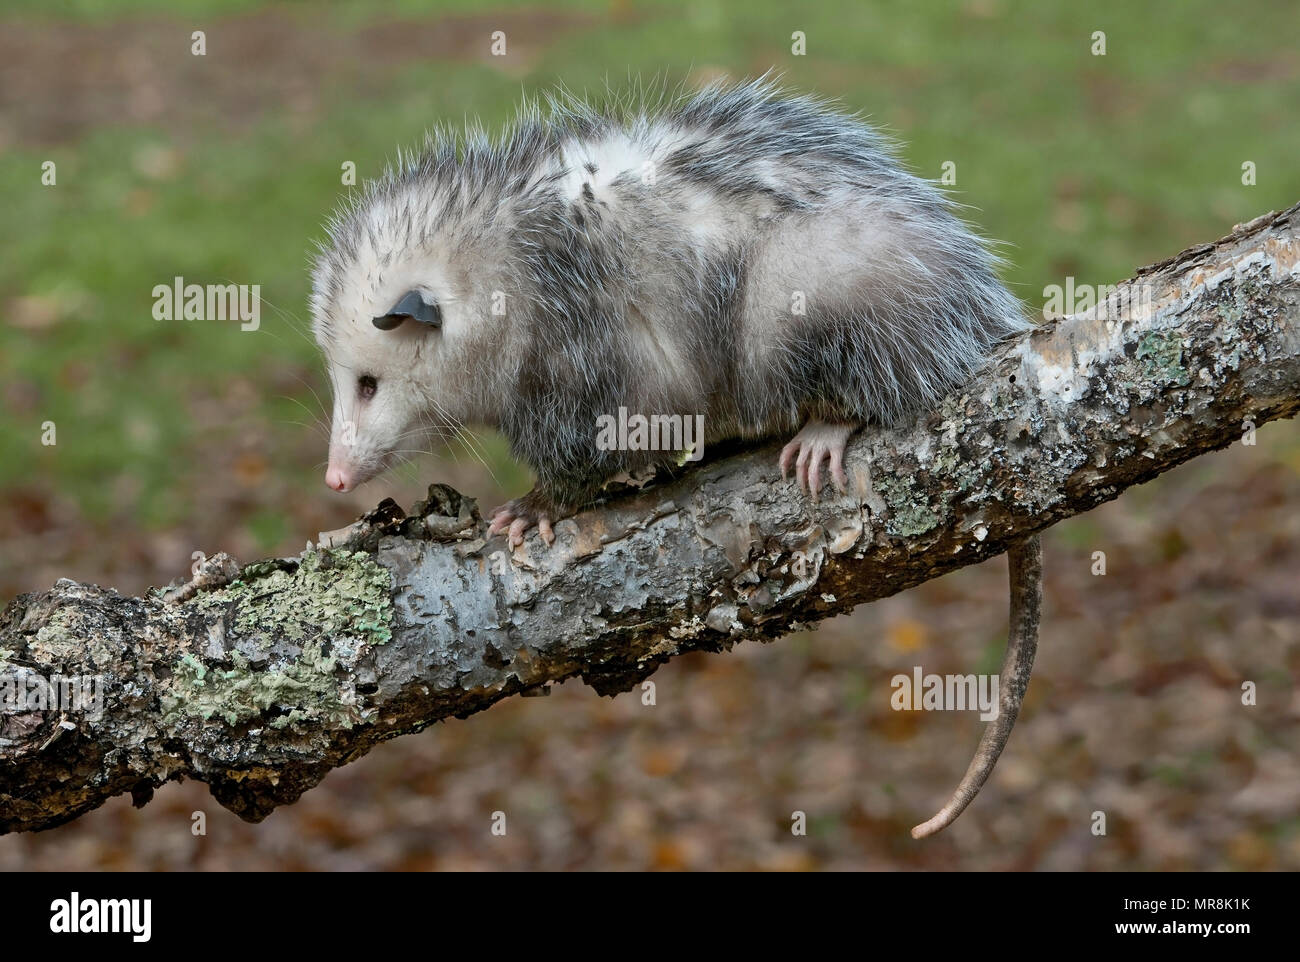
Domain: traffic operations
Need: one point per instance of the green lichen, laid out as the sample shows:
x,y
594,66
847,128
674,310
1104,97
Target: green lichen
x,y
1163,353
965,472
1232,312
331,593
259,569
56,638
951,459
304,689
326,613
67,638
910,513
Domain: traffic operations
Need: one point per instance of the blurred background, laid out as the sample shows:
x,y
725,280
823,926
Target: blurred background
x,y
176,436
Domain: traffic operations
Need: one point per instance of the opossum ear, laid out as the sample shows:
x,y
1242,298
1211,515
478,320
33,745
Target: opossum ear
x,y
412,305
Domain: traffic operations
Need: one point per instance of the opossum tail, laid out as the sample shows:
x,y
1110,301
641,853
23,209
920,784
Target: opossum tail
x,y
1025,561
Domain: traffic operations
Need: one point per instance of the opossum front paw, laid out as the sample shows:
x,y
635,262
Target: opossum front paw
x,y
519,515
817,442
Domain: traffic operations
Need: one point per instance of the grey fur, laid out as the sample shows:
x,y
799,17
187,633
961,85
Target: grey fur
x,y
671,297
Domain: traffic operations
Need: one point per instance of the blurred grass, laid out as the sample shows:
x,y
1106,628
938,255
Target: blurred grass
x,y
100,10
1083,165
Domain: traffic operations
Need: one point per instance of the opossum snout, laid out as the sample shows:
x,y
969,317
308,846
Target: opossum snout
x,y
338,478
350,469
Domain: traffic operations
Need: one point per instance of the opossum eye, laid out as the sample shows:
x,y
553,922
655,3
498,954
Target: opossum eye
x,y
366,387
413,305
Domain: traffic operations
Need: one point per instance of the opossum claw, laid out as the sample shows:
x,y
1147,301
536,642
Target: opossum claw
x,y
818,441
501,519
517,516
1025,564
517,529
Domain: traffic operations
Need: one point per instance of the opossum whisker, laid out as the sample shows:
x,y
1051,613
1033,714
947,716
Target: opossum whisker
x,y
316,419
298,325
307,384
301,424
461,434
466,438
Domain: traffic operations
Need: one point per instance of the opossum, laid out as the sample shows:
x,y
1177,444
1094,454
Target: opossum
x,y
760,259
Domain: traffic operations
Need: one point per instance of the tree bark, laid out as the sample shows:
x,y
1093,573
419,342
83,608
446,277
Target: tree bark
x,y
260,679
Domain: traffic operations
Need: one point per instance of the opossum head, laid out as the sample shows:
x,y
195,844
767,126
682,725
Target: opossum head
x,y
394,325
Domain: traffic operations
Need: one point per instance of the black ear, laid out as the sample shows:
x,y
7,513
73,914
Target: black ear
x,y
412,305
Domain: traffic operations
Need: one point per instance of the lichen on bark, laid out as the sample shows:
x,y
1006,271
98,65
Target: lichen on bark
x,y
283,646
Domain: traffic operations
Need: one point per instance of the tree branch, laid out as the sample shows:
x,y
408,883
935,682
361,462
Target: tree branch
x,y
259,680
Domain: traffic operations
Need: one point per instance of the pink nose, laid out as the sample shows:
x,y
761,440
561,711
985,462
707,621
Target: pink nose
x,y
337,478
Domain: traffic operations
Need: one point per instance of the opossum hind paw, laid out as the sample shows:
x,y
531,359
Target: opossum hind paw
x,y
818,442
517,516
